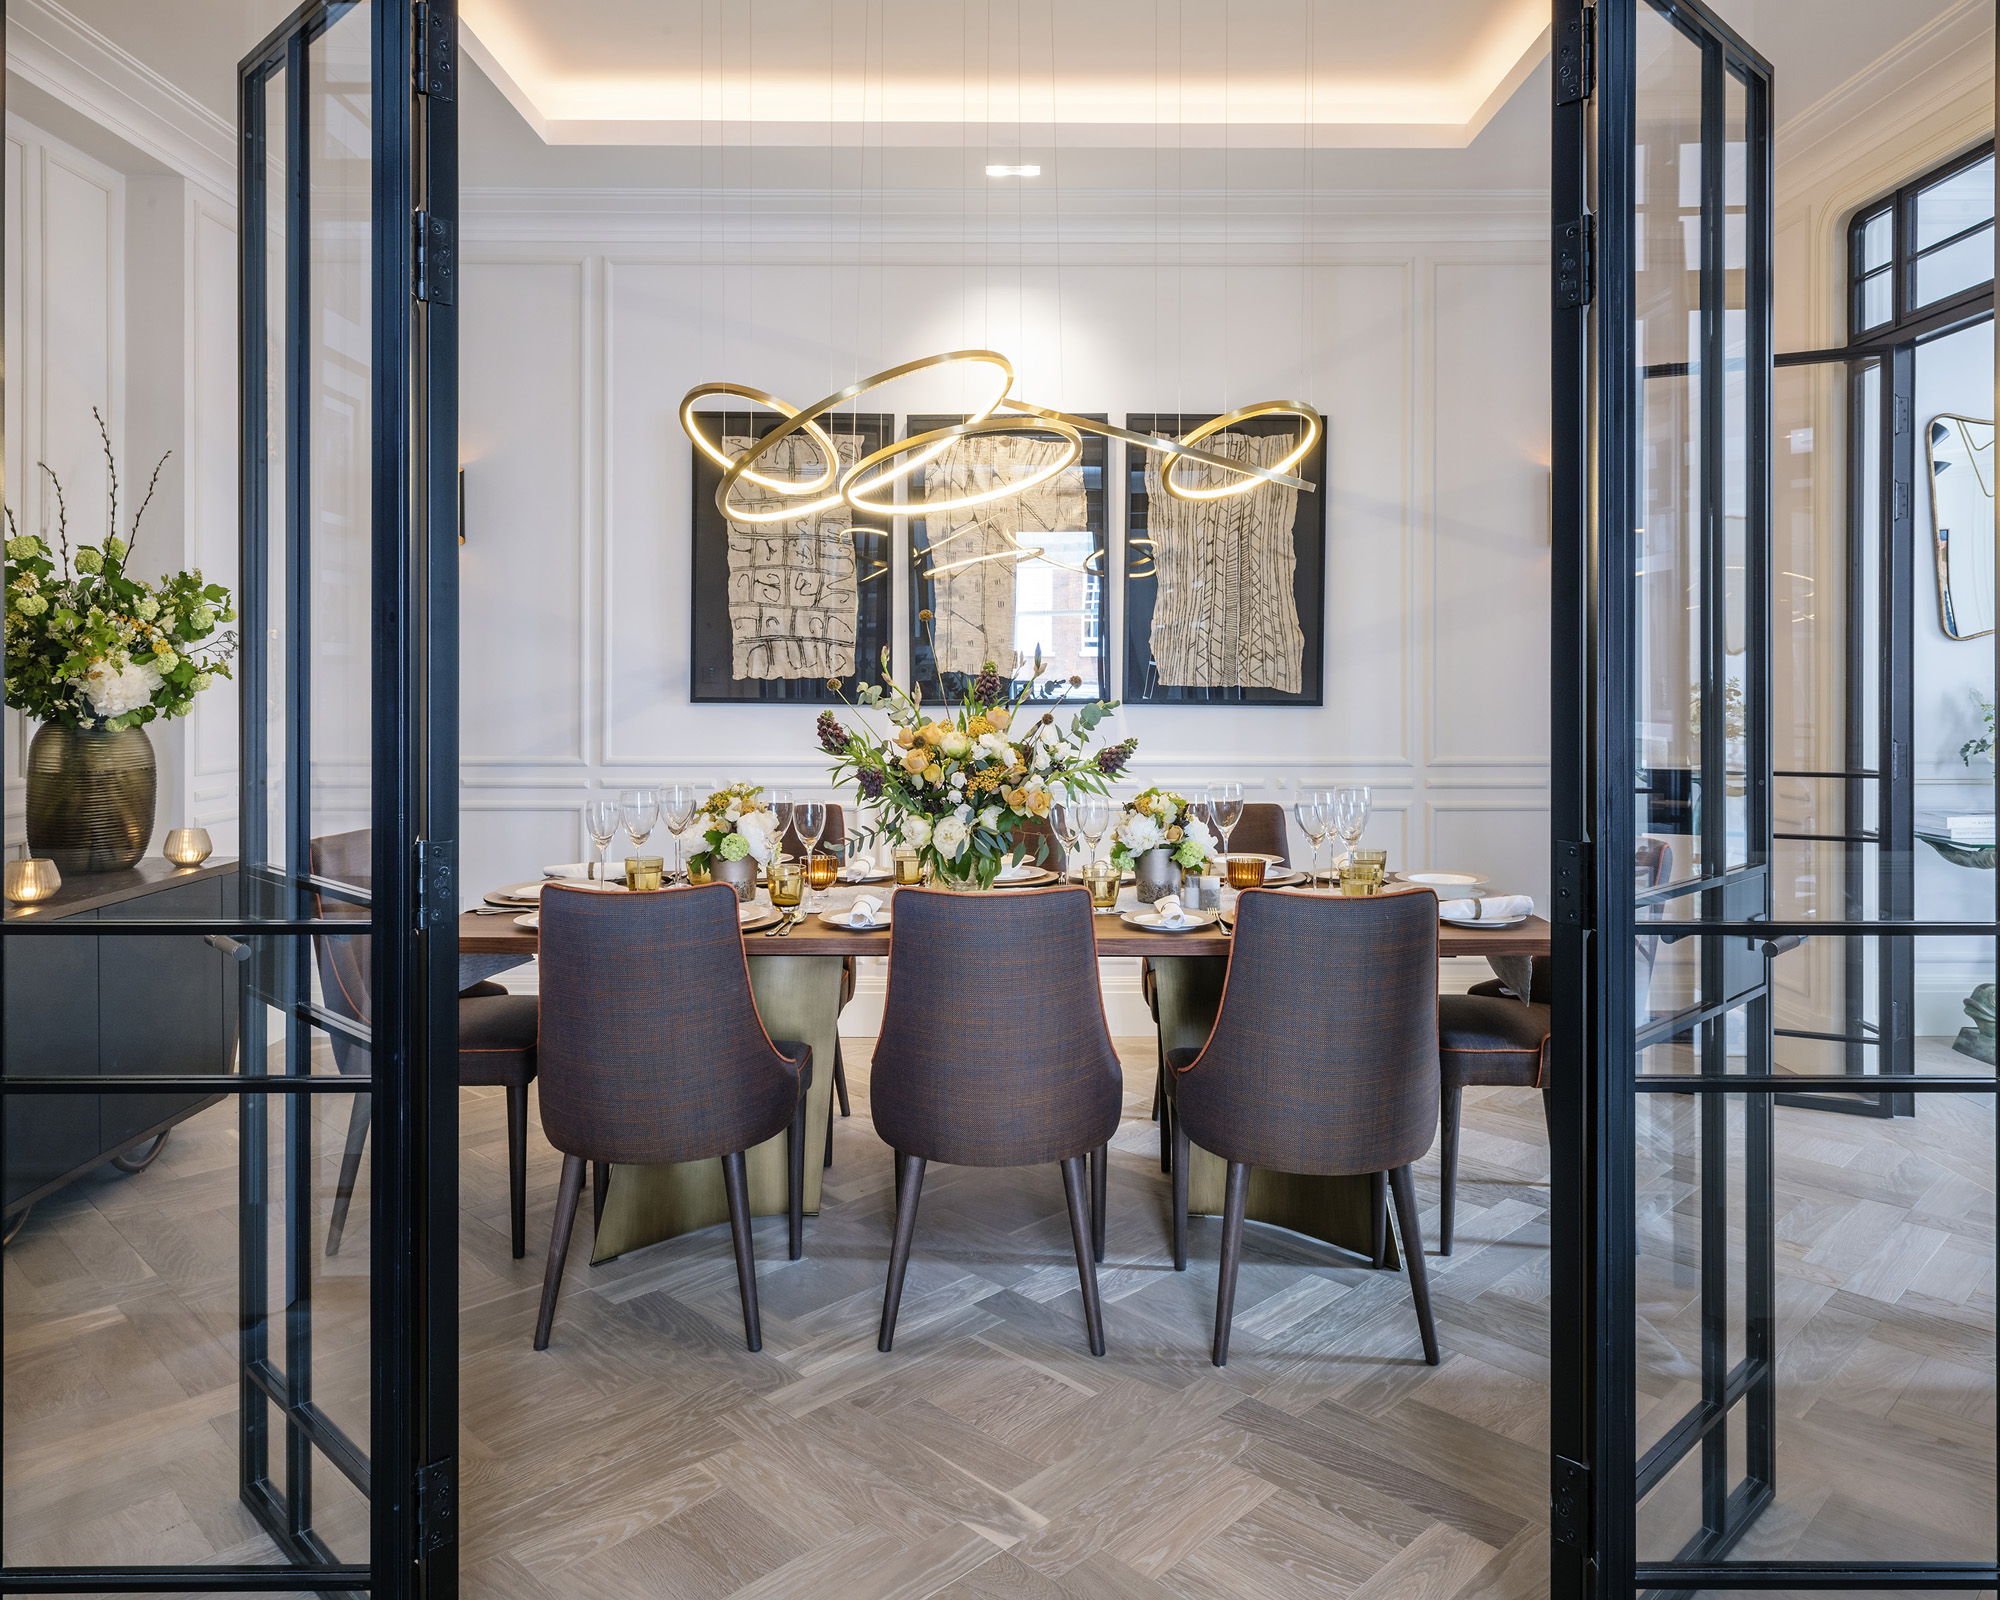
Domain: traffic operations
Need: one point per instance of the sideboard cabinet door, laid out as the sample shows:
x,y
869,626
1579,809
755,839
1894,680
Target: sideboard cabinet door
x,y
51,1031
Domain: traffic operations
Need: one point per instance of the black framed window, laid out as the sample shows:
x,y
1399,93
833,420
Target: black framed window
x,y
1925,250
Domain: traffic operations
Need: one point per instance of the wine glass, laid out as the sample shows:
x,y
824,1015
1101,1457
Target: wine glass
x,y
639,810
677,808
1312,820
809,822
1351,806
1093,817
1225,809
600,821
780,806
1062,823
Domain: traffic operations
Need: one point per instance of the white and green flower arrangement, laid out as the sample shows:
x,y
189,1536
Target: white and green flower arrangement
x,y
735,824
90,647
1160,819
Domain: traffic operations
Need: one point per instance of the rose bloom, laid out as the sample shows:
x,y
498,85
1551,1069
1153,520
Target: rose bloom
x,y
998,716
916,760
904,737
932,732
954,743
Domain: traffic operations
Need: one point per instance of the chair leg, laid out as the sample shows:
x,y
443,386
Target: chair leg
x,y
827,1159
1100,1164
795,1157
839,1085
1405,1190
1166,1129
600,1191
350,1170
1235,1196
909,1190
517,1164
1378,1216
1180,1197
1160,1079
1086,1268
736,1185
567,1194
1449,1108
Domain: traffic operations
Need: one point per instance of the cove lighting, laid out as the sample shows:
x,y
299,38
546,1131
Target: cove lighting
x,y
1013,172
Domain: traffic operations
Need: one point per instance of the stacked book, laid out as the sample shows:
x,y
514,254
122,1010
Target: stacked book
x,y
1970,830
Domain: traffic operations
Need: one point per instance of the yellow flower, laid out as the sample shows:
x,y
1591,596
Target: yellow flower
x,y
998,718
1016,798
1039,803
916,761
931,732
934,772
905,738
1173,836
977,726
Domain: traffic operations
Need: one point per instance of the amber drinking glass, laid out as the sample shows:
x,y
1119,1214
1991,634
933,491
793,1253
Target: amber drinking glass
x,y
909,869
1101,879
822,872
643,872
1360,877
1246,872
788,882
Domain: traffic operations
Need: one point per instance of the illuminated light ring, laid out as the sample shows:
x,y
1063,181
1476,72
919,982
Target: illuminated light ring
x,y
935,443
1020,552
714,452
812,413
1263,408
1160,445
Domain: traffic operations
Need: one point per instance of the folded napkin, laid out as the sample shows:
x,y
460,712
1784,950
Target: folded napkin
x,y
1171,914
1516,975
859,865
862,913
1017,867
1493,908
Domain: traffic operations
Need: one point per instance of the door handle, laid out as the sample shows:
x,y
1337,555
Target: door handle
x,y
235,949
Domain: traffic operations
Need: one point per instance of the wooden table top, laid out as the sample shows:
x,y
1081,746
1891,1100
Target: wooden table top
x,y
479,934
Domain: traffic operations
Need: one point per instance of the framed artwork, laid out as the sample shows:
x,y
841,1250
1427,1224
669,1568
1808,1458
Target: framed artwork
x,y
1019,573
780,607
1225,600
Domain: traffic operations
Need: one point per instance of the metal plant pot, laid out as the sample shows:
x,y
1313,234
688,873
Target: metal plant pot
x,y
739,875
1156,876
90,797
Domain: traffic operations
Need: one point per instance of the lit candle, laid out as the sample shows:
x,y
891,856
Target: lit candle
x,y
31,880
188,847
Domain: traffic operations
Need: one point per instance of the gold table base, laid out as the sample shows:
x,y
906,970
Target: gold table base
x,y
799,998
1339,1211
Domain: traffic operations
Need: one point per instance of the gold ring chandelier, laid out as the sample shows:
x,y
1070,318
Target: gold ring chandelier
x,y
862,485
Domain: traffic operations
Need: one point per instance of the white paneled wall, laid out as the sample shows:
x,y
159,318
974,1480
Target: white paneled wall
x,y
1426,351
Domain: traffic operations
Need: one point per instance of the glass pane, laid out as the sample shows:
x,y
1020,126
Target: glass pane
x,y
270,643
1668,574
1735,466
1955,204
339,360
1878,302
1955,268
1877,235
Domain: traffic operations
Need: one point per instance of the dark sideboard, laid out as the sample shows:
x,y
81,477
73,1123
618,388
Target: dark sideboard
x,y
113,1004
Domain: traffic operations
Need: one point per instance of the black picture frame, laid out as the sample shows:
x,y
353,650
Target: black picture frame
x,y
1141,686
1094,461
709,642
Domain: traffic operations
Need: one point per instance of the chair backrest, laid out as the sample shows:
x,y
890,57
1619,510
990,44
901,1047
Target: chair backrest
x,y
994,1051
836,832
1324,1056
651,1046
1261,831
346,965
1036,841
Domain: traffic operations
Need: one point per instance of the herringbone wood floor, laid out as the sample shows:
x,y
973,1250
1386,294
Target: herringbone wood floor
x,y
648,1453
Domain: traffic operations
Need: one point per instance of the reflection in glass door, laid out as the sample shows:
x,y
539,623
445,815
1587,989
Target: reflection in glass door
x,y
1738,1404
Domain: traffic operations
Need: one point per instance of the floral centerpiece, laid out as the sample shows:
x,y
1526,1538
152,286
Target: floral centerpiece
x,y
736,827
1160,819
93,654
955,788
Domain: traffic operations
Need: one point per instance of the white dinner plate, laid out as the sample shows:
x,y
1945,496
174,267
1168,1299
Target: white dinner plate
x,y
614,871
532,921
1150,921
1015,878
516,894
1284,878
1445,880
879,875
753,916
838,919
1486,922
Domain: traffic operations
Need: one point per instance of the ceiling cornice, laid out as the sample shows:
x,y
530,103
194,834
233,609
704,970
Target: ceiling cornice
x,y
68,59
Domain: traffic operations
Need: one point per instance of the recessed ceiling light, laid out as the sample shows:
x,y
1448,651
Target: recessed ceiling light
x,y
1013,172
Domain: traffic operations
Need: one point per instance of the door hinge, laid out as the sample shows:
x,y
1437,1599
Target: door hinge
x,y
1901,415
1902,500
1572,885
1569,1500
1576,59
436,58
436,260
437,883
1576,263
437,1506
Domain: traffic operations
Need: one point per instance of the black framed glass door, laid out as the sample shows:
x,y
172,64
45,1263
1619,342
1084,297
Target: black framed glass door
x,y
337,925
1734,927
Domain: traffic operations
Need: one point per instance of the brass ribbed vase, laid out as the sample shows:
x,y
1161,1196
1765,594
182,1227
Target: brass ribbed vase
x,y
90,797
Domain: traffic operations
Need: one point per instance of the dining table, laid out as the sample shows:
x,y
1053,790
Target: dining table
x,y
797,980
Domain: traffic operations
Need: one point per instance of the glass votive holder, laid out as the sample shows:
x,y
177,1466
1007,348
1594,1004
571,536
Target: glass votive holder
x,y
188,847
823,871
1205,891
31,880
1360,877
1101,878
909,867
787,882
1246,872
643,872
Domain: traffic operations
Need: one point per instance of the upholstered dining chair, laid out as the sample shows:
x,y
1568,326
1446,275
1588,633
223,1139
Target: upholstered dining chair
x,y
1259,831
1036,841
994,1052
1345,1083
496,1033
653,1052
835,833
